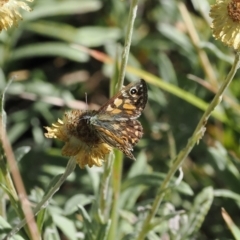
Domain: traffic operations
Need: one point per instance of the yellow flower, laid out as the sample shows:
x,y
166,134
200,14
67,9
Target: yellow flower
x,y
9,14
80,141
226,22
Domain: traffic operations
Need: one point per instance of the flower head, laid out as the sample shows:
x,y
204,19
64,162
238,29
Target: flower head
x,y
226,22
9,12
80,141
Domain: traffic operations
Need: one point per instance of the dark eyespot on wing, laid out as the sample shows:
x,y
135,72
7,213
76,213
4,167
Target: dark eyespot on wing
x,y
128,103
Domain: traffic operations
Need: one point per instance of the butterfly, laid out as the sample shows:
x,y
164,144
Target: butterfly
x,y
115,122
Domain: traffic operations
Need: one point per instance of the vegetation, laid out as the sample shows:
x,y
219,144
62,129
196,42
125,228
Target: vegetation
x,y
184,183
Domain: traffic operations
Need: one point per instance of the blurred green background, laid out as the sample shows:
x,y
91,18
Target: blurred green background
x,y
52,74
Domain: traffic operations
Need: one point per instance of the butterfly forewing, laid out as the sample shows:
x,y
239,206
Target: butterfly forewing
x,y
128,103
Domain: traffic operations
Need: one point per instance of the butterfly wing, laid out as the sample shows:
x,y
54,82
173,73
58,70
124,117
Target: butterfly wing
x,y
128,103
115,121
122,135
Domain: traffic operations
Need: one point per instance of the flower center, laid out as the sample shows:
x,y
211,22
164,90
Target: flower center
x,y
234,10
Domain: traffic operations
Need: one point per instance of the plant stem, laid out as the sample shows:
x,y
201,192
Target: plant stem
x,y
118,162
104,188
3,161
197,135
128,39
117,176
45,201
193,34
21,203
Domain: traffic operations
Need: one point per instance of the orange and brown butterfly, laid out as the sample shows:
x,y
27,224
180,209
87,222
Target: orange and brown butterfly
x,y
91,134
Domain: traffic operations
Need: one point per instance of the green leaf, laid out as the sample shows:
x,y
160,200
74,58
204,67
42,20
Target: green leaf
x,y
103,230
5,227
225,193
130,195
178,37
197,213
223,160
94,179
216,51
2,99
10,194
57,8
140,166
154,180
49,49
40,219
88,226
2,78
166,67
85,35
53,183
72,204
51,232
66,226
17,130
21,152
56,171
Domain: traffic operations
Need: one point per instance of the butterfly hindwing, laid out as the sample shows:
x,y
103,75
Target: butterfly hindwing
x,y
123,135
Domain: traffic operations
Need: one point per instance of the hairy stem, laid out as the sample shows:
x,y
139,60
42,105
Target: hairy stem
x,y
197,135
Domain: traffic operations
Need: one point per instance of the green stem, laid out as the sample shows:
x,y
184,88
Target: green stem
x,y
128,39
45,201
118,162
104,188
3,161
117,176
197,135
